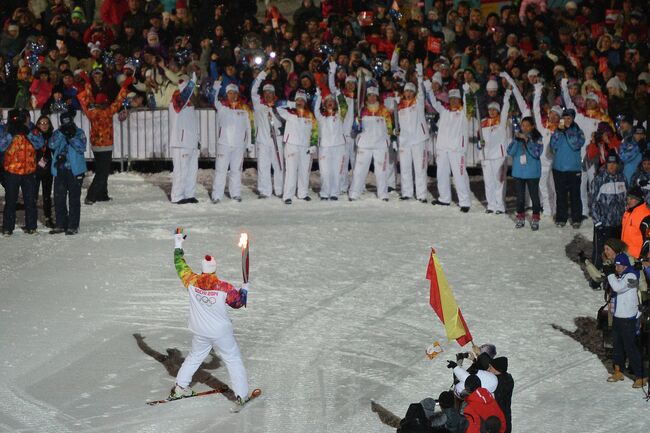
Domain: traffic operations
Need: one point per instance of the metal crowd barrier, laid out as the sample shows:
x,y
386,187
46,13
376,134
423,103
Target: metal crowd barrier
x,y
144,135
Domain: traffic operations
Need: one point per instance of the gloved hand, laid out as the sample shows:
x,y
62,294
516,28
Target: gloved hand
x,y
179,237
216,85
243,293
451,364
419,69
250,148
466,88
194,79
582,257
312,150
564,82
538,86
504,75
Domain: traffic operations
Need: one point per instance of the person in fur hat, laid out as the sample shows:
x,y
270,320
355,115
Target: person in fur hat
x,y
209,322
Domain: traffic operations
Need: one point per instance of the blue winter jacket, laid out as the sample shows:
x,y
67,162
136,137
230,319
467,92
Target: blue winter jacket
x,y
532,168
608,198
630,156
566,145
74,149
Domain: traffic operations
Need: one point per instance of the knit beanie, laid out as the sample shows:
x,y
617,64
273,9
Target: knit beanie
x,y
208,265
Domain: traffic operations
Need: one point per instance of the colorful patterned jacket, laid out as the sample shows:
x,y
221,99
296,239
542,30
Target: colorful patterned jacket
x,y
208,296
101,119
20,151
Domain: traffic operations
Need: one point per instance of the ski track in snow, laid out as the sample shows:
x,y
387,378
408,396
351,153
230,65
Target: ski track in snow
x,y
338,315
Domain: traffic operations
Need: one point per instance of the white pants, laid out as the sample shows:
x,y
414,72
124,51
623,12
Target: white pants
x,y
186,166
228,350
547,188
449,163
296,171
494,177
391,172
413,158
362,166
349,157
228,157
267,158
585,188
330,164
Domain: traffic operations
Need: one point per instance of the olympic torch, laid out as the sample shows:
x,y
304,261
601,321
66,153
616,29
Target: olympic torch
x,y
243,244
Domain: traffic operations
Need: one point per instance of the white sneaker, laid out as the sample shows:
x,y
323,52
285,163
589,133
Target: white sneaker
x,y
180,392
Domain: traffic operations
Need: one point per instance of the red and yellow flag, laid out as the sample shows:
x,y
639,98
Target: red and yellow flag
x,y
444,304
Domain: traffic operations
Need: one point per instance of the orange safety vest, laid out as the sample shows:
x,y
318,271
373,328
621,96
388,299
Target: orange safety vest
x,y
20,157
631,233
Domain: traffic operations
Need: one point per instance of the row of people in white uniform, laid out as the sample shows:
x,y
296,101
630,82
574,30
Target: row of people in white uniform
x,y
284,159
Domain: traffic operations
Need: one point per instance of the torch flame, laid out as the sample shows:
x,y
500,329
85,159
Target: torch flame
x,y
243,240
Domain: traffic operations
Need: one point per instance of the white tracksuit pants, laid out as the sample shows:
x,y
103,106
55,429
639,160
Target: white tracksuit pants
x,y
547,188
330,164
228,350
228,157
413,158
267,158
362,166
494,177
391,172
449,163
349,156
296,173
585,188
186,166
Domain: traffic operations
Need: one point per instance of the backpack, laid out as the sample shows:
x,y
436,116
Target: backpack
x,y
415,420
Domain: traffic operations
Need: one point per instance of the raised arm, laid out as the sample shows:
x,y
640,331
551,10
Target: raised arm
x,y
566,97
317,104
216,87
537,106
505,108
521,103
394,60
420,93
180,99
255,96
182,268
435,104
331,77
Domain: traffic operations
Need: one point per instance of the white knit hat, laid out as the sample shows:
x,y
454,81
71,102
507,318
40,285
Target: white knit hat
x,y
557,109
410,86
533,72
372,91
437,78
208,265
454,93
592,96
232,88
268,88
492,85
300,95
350,79
494,105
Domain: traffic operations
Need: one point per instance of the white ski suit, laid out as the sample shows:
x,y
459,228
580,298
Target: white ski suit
x,y
331,148
184,144
300,132
546,183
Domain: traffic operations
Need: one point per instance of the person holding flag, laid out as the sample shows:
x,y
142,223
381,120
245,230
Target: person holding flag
x,y
209,322
268,137
184,142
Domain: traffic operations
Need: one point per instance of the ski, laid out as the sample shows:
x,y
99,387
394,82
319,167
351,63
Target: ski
x,y
238,407
198,394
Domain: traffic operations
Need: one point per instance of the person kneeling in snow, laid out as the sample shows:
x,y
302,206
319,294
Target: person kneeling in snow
x,y
209,322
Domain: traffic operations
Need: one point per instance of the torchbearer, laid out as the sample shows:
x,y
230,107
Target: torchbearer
x,y
209,322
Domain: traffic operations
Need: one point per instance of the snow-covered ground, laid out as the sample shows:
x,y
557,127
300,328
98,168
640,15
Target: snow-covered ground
x,y
338,315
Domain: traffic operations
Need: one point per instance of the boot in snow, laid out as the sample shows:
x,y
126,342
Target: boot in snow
x,y
617,375
640,382
534,223
520,221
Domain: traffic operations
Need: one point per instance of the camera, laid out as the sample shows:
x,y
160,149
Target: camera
x,y
61,159
462,355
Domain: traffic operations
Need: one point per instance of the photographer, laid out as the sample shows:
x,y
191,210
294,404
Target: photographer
x,y
525,150
68,144
19,145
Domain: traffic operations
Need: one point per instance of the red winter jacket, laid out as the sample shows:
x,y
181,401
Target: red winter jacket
x,y
480,406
